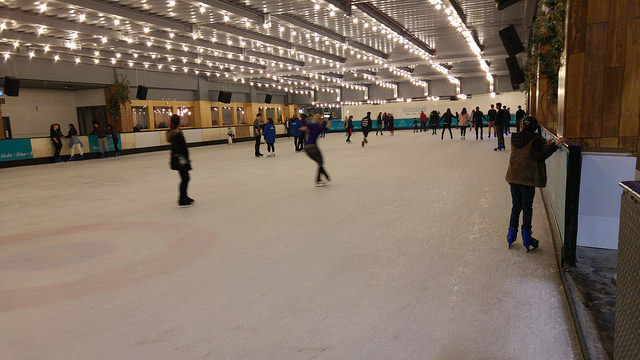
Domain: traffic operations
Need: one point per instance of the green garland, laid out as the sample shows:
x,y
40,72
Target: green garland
x,y
119,97
548,33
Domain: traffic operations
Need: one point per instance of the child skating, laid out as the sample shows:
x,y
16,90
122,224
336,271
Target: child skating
x,y
270,137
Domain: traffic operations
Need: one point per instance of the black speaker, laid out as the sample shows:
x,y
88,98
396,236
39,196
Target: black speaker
x,y
511,40
224,97
503,4
11,86
142,92
267,99
515,72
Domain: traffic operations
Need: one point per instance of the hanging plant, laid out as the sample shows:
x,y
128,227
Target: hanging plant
x,y
546,45
119,96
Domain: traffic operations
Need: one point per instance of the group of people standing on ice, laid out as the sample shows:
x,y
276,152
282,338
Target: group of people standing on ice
x,y
498,120
75,144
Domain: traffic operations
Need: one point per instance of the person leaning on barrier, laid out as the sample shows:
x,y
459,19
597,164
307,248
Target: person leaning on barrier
x,y
526,171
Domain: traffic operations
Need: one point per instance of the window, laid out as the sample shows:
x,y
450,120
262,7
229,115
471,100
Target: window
x,y
270,114
140,117
279,116
240,115
214,116
227,115
162,116
187,117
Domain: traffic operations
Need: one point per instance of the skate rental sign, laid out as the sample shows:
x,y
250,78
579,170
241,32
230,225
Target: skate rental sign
x,y
15,149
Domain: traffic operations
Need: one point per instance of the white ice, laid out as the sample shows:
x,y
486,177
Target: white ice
x,y
402,256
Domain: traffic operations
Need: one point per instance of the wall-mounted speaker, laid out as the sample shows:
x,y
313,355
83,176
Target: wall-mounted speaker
x,y
11,86
141,94
503,4
224,97
511,40
515,72
267,99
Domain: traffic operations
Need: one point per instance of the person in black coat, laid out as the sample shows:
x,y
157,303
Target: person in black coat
x,y
180,158
56,137
447,120
114,137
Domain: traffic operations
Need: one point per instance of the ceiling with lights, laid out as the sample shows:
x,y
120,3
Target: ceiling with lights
x,y
292,45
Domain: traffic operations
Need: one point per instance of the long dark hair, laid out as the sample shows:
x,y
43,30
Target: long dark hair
x,y
464,111
72,127
175,121
531,125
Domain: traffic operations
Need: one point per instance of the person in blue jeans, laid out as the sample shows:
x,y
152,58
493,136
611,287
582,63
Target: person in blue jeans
x,y
269,131
526,171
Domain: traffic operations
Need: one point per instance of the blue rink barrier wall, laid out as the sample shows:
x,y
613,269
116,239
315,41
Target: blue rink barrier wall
x,y
19,152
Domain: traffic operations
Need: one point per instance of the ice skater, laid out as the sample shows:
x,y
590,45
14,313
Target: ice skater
x,y
74,143
392,124
257,135
447,119
463,122
296,124
499,129
526,171
348,127
379,125
270,137
491,121
423,121
114,138
56,138
478,116
434,119
415,125
366,127
313,131
180,158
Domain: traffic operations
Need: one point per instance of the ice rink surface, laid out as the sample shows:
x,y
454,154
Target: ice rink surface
x,y
402,256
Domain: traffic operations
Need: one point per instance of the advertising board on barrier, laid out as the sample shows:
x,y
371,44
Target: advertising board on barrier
x,y
15,149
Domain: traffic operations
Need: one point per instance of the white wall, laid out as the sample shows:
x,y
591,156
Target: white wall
x,y
35,110
93,97
412,109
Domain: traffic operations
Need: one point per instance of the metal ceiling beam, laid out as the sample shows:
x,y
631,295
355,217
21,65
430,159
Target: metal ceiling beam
x,y
250,35
121,11
388,21
294,20
274,58
235,8
30,18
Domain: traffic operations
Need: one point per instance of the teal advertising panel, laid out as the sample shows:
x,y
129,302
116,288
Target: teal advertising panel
x,y
15,149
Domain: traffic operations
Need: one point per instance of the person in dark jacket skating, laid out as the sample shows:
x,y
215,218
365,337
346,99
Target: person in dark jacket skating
x,y
434,120
296,124
447,120
379,125
500,122
114,137
520,114
366,127
313,130
180,158
101,133
56,138
348,127
526,171
491,119
478,116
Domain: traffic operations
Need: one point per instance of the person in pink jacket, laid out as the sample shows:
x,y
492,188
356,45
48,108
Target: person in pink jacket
x,y
463,123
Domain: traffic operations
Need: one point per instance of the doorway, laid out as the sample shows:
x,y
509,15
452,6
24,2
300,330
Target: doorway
x,y
87,115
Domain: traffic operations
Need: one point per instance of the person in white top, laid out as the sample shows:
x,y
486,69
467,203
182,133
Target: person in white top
x,y
463,123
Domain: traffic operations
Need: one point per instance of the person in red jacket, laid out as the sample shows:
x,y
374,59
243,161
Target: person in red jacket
x,y
423,121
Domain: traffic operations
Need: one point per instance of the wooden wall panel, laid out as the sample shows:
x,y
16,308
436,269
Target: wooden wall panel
x,y
595,58
617,33
576,26
573,95
613,78
609,142
630,104
633,8
598,11
629,142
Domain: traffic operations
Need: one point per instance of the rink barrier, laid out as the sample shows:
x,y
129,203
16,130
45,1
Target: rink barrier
x,y
338,125
21,152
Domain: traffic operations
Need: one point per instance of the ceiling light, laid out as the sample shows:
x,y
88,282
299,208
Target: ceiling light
x,y
226,18
171,35
172,3
116,22
46,49
42,7
82,17
56,58
96,61
113,61
202,10
146,29
104,39
32,54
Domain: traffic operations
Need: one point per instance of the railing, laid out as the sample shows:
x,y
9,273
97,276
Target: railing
x,y
563,192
